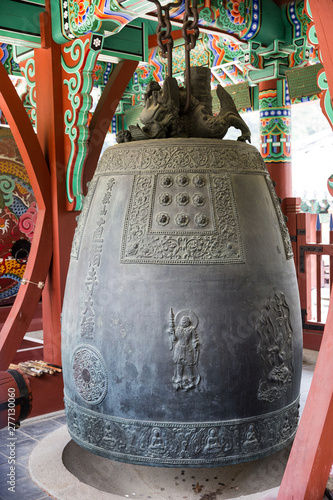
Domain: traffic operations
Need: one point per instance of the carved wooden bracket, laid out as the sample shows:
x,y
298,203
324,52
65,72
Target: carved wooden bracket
x,y
325,100
78,62
27,68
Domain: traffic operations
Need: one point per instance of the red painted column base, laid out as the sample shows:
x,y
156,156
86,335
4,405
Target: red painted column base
x,y
311,456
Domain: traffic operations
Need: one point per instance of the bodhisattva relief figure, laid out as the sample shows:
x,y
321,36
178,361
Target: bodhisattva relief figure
x,y
251,441
156,443
213,444
185,346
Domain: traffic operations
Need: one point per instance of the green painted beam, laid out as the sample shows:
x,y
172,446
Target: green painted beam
x,y
19,22
130,43
272,23
255,97
34,2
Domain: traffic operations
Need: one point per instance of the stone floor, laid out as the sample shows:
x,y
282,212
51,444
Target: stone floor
x,y
32,431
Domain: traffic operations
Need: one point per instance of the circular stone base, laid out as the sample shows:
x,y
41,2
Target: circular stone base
x,y
67,472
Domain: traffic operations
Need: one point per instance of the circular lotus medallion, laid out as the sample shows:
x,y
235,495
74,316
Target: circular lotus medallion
x,y
182,199
182,180
165,199
182,220
198,200
89,374
166,181
199,181
162,219
201,220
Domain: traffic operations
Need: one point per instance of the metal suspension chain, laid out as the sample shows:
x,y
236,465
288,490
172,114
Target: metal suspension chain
x,y
190,32
163,31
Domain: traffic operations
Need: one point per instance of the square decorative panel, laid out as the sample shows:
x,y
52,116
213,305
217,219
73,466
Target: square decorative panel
x,y
182,218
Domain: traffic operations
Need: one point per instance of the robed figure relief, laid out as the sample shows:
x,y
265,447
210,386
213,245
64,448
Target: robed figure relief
x,y
185,346
275,347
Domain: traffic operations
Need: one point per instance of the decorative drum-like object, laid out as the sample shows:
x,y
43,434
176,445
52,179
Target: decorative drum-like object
x,y
182,336
18,214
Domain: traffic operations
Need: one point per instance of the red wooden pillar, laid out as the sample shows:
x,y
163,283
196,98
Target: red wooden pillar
x,y
50,134
29,294
331,258
318,269
291,207
304,271
275,124
311,456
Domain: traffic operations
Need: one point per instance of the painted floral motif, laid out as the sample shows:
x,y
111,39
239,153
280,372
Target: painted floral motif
x,y
27,221
97,72
206,16
80,11
2,52
4,225
236,11
81,17
240,16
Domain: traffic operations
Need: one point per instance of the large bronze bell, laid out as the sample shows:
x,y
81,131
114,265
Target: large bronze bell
x,y
182,336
